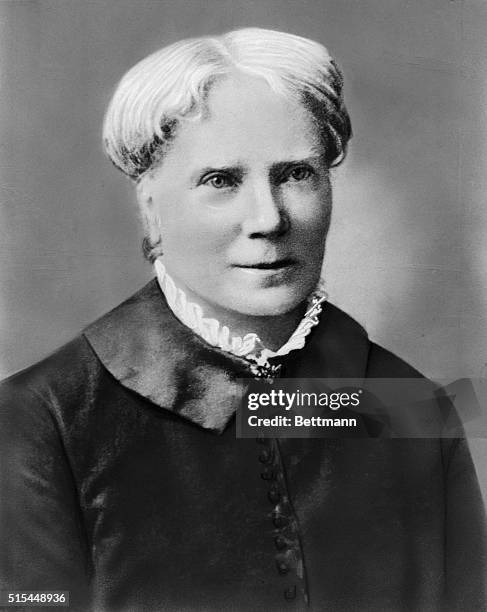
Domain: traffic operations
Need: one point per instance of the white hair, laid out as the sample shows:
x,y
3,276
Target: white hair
x,y
173,83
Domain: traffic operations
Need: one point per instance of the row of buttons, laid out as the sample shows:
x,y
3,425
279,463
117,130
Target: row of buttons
x,y
272,473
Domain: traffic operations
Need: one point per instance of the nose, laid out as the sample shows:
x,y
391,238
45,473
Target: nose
x,y
265,213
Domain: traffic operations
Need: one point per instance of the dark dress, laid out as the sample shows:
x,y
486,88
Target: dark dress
x,y
124,483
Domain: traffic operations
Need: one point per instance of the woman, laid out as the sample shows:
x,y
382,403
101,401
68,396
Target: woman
x,y
123,480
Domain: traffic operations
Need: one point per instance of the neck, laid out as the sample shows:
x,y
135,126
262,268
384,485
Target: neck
x,y
272,331
256,339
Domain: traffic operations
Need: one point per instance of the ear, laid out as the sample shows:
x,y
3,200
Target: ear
x,y
148,212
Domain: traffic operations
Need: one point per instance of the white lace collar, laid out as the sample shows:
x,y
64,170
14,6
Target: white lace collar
x,y
249,347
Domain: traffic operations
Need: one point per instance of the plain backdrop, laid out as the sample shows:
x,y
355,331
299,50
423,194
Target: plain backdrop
x,y
407,254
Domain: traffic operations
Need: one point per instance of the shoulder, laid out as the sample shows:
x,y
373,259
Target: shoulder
x,y
346,340
40,400
73,365
382,363
60,372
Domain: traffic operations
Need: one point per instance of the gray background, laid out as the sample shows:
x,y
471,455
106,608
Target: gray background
x,y
407,254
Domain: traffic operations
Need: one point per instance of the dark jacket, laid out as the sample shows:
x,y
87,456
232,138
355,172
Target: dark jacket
x,y
123,481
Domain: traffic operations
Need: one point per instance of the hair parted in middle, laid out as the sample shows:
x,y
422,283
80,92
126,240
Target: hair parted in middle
x,y
173,84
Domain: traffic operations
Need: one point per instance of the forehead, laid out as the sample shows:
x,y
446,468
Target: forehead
x,y
246,121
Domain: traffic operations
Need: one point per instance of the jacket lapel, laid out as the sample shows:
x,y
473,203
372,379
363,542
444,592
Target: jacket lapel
x,y
149,351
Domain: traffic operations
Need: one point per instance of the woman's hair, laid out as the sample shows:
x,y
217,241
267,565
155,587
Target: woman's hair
x,y
173,83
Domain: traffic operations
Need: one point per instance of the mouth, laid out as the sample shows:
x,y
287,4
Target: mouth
x,y
278,264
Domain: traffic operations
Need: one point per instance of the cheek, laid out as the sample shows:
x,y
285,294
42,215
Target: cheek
x,y
191,234
312,213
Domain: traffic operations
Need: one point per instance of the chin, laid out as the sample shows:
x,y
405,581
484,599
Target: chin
x,y
271,302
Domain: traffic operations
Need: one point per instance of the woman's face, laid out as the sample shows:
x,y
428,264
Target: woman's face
x,y
243,202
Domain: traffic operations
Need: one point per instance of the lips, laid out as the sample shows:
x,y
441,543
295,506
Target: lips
x,y
268,265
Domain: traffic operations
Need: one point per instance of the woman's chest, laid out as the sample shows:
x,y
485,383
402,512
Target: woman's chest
x,y
175,514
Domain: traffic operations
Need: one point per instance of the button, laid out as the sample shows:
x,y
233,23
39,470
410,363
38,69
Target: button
x,y
280,521
267,473
290,593
282,567
265,455
274,495
280,542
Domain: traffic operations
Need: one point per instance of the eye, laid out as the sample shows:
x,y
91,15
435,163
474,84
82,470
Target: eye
x,y
219,180
298,174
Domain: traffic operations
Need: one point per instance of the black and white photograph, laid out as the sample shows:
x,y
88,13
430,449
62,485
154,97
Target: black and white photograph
x,y
202,198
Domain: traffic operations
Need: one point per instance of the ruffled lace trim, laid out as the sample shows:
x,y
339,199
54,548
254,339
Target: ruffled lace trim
x,y
250,346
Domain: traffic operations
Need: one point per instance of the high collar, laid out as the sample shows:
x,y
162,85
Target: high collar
x,y
149,351
213,332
